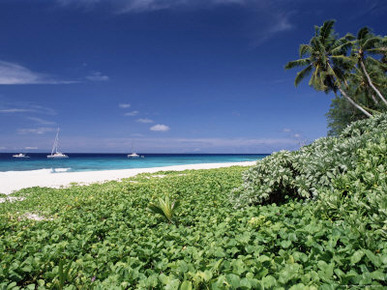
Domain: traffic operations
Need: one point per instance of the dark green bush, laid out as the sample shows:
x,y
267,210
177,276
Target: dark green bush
x,y
312,169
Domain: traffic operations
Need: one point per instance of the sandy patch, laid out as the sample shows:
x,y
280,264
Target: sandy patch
x,y
11,181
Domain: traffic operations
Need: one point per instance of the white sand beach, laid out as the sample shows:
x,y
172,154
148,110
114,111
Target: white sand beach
x,y
11,181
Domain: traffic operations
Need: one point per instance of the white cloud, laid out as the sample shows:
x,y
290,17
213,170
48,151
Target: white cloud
x,y
133,113
208,145
24,108
97,77
160,128
145,121
41,121
14,110
286,130
15,74
270,24
31,148
38,131
124,106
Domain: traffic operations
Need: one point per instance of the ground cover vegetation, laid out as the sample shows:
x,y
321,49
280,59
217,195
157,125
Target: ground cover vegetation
x,y
315,218
352,67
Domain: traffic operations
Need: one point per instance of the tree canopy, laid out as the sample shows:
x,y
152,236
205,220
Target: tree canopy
x,y
353,68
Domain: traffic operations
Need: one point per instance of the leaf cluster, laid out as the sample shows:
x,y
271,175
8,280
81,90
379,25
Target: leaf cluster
x,y
305,173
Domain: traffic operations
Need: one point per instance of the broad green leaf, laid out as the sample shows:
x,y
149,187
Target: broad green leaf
x,y
356,257
186,285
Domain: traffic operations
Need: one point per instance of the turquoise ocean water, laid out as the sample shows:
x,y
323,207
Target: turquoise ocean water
x,y
92,162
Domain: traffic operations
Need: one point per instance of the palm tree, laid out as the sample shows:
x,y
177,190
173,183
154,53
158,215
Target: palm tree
x,y
367,42
326,60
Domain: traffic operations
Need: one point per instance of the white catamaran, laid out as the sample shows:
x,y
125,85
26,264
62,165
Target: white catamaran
x,y
54,152
133,155
20,155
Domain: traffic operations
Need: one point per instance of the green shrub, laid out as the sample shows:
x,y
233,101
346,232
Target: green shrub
x,y
312,169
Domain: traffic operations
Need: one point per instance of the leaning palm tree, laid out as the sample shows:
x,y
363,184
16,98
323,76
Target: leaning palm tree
x,y
367,42
325,59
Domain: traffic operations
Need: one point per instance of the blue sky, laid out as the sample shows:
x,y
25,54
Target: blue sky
x,y
164,76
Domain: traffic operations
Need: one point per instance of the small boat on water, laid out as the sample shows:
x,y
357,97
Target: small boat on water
x,y
55,149
20,155
133,155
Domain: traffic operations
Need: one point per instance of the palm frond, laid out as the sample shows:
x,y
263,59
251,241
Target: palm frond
x,y
344,59
304,49
371,43
298,63
165,208
341,46
363,33
327,29
302,74
377,63
318,45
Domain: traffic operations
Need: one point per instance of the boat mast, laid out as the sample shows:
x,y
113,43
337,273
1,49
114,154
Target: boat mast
x,y
55,145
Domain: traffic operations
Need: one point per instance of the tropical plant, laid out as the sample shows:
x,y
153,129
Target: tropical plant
x,y
165,207
305,173
368,43
325,59
340,115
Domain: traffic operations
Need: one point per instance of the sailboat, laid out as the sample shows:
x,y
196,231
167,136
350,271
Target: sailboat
x,y
133,155
20,155
54,152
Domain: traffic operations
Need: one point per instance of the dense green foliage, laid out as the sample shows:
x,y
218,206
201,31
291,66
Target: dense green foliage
x,y
354,68
327,228
313,168
345,178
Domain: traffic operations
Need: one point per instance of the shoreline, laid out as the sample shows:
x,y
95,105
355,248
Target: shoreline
x,y
11,181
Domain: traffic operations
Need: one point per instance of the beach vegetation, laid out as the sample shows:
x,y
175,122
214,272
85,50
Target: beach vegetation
x,y
313,169
313,218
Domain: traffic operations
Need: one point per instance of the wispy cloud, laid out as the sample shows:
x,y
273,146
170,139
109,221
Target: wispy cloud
x,y
144,120
38,131
132,113
97,77
138,6
226,145
14,110
265,18
26,108
124,106
297,136
15,74
274,23
31,148
41,121
160,128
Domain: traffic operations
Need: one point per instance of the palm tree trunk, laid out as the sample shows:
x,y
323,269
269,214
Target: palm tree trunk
x,y
374,99
353,102
370,82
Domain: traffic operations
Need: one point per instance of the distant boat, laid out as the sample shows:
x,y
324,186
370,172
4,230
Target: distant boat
x,y
20,155
54,152
133,155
